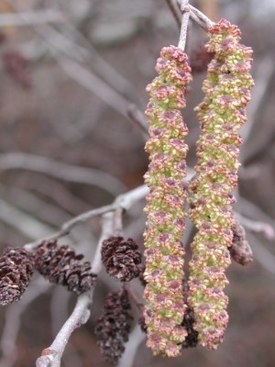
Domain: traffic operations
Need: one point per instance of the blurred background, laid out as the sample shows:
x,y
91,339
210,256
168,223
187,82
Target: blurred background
x,y
73,77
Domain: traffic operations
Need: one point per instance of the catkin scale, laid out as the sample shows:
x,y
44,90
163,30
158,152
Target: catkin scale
x,y
164,310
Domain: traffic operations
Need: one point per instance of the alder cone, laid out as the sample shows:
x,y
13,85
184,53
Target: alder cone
x,y
16,269
113,327
121,258
61,265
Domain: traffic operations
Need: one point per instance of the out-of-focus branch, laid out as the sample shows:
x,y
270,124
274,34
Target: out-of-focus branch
x,y
61,49
60,170
175,11
31,18
12,323
258,227
51,356
247,208
24,223
263,255
94,84
85,77
138,117
263,80
131,348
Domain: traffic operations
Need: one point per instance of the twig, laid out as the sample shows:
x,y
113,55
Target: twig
x,y
63,171
184,23
124,201
51,356
264,80
31,18
175,11
200,18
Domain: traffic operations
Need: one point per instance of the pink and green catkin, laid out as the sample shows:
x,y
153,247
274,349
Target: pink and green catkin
x,y
221,114
164,310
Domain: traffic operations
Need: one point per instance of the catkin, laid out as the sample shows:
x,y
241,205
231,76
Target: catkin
x,y
164,252
221,114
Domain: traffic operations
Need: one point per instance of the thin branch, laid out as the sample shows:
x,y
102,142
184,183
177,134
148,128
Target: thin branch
x,y
184,23
51,356
175,11
124,201
200,18
31,18
60,170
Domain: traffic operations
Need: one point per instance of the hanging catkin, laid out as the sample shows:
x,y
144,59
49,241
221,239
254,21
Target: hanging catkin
x,y
221,114
164,252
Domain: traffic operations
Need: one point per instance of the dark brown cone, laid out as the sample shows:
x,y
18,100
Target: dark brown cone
x,y
240,249
121,258
113,327
16,269
191,339
62,266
